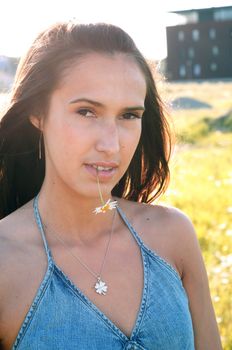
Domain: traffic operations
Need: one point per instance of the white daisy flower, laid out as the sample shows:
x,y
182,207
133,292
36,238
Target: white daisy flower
x,y
109,205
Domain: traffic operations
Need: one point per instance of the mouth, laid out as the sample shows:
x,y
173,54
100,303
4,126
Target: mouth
x,y
101,168
104,171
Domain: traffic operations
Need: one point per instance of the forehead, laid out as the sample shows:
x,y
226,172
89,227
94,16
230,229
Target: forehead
x,y
98,75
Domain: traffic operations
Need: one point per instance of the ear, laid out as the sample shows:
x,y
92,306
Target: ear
x,y
37,122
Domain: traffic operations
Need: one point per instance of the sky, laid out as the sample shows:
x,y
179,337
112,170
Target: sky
x,y
145,21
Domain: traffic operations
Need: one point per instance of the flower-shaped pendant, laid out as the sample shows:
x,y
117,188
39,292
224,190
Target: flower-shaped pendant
x,y
101,287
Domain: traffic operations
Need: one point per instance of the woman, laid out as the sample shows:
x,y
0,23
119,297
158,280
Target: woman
x,y
86,262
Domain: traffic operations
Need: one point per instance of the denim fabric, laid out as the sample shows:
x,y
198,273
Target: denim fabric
x,y
61,317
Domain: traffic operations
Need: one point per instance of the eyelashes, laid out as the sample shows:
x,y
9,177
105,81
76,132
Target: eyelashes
x,y
130,116
88,113
85,112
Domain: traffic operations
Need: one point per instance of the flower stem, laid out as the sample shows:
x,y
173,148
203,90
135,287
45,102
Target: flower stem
x,y
99,190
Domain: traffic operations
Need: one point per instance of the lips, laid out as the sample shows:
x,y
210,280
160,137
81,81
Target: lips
x,y
104,170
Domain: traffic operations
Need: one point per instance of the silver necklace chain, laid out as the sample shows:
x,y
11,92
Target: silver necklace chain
x,y
100,286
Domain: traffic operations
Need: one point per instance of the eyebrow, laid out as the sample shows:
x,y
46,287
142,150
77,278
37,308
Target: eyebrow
x,y
99,104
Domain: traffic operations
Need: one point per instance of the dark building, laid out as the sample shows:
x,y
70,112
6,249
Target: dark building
x,y
201,48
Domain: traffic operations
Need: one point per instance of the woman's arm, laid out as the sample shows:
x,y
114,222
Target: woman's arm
x,y
195,282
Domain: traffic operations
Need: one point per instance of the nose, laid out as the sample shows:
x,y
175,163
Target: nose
x,y
108,138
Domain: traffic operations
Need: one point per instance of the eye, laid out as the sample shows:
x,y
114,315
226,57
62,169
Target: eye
x,y
131,116
85,112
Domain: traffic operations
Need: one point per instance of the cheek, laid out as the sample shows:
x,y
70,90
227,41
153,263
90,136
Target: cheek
x,y
59,143
67,135
130,141
133,133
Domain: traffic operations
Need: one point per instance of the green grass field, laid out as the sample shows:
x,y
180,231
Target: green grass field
x,y
201,183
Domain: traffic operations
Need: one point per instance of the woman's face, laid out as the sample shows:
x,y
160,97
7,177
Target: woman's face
x,y
94,120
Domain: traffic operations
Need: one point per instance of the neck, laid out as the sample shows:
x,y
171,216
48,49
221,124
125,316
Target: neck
x,y
72,216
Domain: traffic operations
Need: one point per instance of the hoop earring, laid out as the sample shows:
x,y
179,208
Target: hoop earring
x,y
40,146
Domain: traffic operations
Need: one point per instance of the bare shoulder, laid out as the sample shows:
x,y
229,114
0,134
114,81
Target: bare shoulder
x,y
159,214
166,230
17,243
22,264
14,227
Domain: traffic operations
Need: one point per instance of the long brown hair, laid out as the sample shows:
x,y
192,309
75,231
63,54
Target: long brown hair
x,y
38,73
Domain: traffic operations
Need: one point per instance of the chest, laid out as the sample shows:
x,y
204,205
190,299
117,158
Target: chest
x,y
122,273
65,313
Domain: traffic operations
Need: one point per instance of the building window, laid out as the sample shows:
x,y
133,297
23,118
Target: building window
x,y
222,14
182,71
182,54
215,50
181,35
192,17
213,66
212,33
191,52
197,70
195,34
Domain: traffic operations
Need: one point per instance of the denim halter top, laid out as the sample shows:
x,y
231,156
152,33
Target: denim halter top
x,y
61,317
